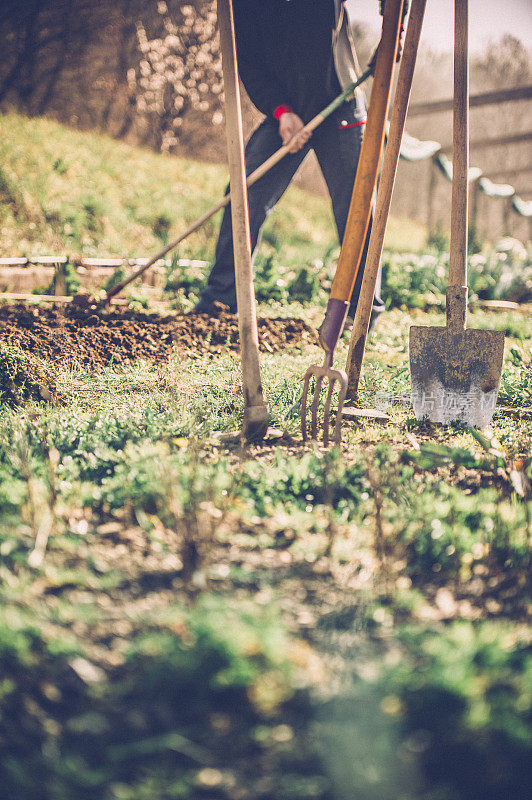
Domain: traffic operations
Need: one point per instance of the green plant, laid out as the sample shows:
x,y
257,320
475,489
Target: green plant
x,y
118,275
474,242
268,283
94,209
65,279
438,238
73,729
444,529
24,377
161,227
516,382
304,287
418,281
464,705
60,166
181,277
410,281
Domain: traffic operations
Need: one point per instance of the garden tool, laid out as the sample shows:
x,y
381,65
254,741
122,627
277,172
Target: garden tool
x,y
356,230
455,373
256,414
384,196
253,178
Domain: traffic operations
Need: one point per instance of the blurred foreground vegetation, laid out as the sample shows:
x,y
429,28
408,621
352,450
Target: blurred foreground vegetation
x,y
181,619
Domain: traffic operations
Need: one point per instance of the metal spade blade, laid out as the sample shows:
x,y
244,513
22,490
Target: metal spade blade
x,y
455,373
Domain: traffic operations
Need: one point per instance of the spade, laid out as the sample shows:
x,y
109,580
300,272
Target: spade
x,y
455,372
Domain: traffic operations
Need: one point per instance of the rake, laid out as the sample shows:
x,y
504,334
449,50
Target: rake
x,y
355,233
251,179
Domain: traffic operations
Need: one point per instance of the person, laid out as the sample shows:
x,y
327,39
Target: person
x,y
295,57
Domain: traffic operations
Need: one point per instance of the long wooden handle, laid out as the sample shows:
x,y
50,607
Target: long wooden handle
x,y
370,154
458,249
384,196
256,412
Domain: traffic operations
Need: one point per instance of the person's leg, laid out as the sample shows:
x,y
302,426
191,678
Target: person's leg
x,y
262,197
337,147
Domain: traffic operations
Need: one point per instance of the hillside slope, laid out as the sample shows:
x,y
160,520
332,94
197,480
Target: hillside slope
x,y
69,191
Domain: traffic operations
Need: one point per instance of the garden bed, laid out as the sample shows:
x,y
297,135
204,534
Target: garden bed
x,y
79,333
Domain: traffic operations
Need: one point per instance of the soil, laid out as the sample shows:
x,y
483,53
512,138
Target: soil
x,y
81,333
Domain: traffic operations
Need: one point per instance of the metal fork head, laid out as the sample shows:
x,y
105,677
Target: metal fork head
x,y
333,376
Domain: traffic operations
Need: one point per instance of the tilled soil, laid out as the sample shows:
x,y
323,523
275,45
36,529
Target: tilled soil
x,y
80,333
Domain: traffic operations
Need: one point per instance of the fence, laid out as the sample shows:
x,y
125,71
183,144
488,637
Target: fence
x,y
415,150
20,273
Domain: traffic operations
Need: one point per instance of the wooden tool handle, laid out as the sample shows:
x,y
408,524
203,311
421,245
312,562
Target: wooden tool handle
x,y
368,166
256,412
384,197
458,249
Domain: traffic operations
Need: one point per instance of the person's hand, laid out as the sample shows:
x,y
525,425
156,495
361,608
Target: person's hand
x,y
291,131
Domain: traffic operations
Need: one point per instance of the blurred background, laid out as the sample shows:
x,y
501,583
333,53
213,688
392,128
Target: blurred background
x,y
150,72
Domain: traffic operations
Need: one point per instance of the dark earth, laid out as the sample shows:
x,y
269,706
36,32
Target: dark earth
x,y
80,332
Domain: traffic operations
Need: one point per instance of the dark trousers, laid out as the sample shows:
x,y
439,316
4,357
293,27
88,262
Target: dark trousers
x,y
337,147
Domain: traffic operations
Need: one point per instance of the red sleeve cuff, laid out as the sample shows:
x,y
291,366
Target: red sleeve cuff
x,y
280,110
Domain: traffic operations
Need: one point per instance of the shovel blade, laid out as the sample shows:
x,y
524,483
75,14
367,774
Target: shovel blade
x,y
455,376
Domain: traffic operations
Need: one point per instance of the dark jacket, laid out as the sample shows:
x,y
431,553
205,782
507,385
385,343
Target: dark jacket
x,y
285,54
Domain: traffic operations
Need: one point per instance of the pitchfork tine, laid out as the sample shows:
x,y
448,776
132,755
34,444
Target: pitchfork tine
x,y
306,386
314,408
341,377
320,373
327,413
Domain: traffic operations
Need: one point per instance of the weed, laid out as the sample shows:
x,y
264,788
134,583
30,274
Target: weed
x,y
304,287
438,239
516,381
59,166
474,242
65,281
268,284
143,654
25,377
120,212
463,698
118,275
446,530
94,212
64,717
8,190
161,227
183,279
418,281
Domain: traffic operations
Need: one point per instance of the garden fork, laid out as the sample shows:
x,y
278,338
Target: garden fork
x,y
328,342
359,331
355,231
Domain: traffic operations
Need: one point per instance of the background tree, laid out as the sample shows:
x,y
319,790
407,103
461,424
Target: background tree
x,y
177,84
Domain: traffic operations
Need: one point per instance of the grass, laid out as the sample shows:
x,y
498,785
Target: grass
x,y
174,568
83,192
183,620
